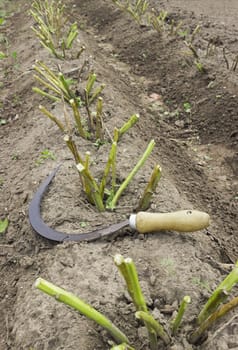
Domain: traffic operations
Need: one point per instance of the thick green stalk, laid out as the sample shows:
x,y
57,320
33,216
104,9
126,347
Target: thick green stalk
x,y
70,299
91,187
77,118
73,148
136,293
52,117
99,130
177,320
73,33
150,189
111,164
91,80
47,85
219,295
129,124
124,185
45,94
222,311
155,325
68,93
128,271
47,73
85,185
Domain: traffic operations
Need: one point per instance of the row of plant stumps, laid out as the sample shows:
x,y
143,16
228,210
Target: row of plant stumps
x,y
83,119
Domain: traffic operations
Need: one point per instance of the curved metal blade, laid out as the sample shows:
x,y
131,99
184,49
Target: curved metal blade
x,y
45,231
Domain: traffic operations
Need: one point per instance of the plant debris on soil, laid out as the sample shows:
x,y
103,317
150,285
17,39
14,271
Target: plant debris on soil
x,y
193,117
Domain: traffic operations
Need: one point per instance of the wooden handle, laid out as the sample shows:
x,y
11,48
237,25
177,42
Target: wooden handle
x,y
183,221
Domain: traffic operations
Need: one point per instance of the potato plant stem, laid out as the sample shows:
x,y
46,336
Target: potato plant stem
x,y
70,299
177,320
222,311
150,189
219,295
124,185
155,325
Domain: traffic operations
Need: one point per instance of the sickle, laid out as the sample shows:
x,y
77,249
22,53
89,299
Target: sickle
x,y
40,227
182,221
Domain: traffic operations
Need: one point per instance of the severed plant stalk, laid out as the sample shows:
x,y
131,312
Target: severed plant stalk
x,y
70,299
134,171
91,188
129,124
58,87
56,84
222,311
50,27
182,308
219,295
150,189
128,271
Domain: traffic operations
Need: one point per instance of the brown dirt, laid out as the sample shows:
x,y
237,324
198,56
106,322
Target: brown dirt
x,y
197,151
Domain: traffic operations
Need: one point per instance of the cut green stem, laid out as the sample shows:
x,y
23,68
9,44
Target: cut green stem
x,y
73,148
129,124
150,189
124,185
70,299
128,271
91,187
183,306
77,118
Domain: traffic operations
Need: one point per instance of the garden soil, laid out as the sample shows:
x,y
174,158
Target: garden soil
x,y
189,107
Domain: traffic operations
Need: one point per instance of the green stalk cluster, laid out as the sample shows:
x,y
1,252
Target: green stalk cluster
x,y
78,304
158,21
129,273
60,88
136,9
50,28
57,87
